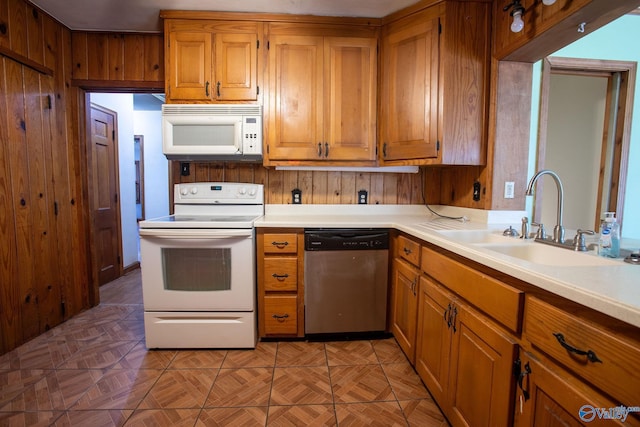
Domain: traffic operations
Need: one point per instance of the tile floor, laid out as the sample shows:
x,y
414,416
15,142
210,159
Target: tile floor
x,y
94,370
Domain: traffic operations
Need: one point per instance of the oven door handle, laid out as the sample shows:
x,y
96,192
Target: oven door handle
x,y
165,233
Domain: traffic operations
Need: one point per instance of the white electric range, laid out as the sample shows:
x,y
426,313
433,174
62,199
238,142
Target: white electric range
x,y
198,268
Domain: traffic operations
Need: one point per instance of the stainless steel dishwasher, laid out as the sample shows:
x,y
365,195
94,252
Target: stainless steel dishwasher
x,y
345,277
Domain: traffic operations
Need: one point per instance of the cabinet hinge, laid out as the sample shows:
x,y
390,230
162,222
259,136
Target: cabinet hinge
x,y
257,44
438,145
55,208
439,27
115,198
268,44
267,148
257,90
63,308
113,135
118,259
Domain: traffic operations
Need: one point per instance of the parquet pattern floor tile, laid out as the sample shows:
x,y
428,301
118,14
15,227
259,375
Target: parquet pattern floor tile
x,y
94,370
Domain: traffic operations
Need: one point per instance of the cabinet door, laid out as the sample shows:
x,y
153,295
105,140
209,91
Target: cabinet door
x,y
189,74
295,122
350,76
236,67
433,338
405,305
480,377
410,91
554,398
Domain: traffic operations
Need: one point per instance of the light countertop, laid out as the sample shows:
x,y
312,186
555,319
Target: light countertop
x,y
612,289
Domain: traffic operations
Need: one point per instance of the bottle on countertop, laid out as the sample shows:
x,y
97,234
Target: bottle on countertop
x,y
609,244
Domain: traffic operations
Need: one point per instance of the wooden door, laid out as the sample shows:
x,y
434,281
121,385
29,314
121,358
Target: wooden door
x,y
350,75
236,67
410,91
105,207
405,305
295,116
480,378
190,69
433,339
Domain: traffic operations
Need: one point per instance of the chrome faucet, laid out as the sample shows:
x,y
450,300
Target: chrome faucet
x,y
558,230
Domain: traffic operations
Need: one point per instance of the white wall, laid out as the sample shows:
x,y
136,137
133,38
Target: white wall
x,y
156,167
573,151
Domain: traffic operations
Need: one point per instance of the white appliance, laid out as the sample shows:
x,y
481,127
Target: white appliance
x,y
198,268
212,131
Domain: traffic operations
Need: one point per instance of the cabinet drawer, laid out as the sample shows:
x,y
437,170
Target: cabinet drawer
x,y
281,315
282,243
408,249
615,372
498,300
281,274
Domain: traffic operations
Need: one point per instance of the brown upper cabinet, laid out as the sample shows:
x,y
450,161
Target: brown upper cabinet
x,y
322,94
435,77
211,61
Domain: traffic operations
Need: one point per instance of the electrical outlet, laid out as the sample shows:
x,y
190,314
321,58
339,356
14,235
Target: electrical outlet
x,y
362,197
509,189
185,170
296,196
476,191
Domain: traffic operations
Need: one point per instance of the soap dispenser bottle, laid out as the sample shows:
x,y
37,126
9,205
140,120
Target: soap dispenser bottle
x,y
609,244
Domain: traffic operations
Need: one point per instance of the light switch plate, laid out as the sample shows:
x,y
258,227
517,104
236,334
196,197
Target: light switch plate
x,y
509,189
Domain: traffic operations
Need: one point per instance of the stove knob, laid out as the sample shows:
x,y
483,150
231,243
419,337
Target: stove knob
x,y
184,191
194,190
242,191
252,191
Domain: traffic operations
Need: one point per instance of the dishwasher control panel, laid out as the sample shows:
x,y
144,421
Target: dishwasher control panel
x,y
346,239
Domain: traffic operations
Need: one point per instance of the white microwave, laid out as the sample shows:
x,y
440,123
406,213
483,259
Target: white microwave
x,y
212,131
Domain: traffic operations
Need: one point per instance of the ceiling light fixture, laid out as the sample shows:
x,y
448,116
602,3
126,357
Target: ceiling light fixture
x,y
517,10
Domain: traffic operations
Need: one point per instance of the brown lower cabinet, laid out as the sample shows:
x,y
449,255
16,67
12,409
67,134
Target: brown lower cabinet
x,y
280,274
549,396
464,360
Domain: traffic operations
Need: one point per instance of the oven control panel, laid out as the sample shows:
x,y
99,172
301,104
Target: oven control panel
x,y
218,193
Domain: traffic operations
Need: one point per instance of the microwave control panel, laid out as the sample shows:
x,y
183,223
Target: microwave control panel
x,y
251,135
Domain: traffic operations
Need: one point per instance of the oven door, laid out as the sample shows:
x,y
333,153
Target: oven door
x,y
197,270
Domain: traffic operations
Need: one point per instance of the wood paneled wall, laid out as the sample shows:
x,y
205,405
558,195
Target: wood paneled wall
x,y
433,185
118,58
44,269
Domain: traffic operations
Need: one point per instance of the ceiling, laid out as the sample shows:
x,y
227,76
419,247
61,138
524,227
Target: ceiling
x,y
143,15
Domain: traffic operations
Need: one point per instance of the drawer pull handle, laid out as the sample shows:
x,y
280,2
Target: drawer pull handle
x,y
407,251
591,355
280,277
280,245
280,317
